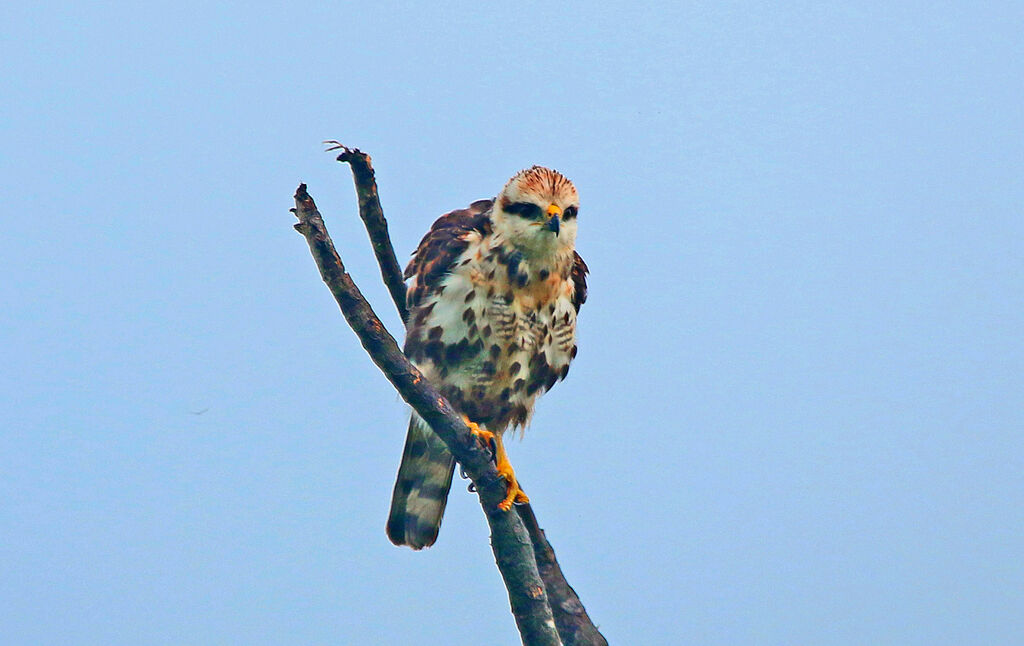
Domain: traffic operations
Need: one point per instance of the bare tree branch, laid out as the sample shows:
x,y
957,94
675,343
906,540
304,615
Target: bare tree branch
x,y
373,217
571,618
509,540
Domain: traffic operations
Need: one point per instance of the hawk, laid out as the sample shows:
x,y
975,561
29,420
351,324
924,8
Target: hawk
x,y
493,293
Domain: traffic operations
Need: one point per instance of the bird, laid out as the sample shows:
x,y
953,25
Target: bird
x,y
493,292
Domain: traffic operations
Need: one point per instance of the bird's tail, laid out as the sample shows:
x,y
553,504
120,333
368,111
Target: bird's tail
x,y
421,489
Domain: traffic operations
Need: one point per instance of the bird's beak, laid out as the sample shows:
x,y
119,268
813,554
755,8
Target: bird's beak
x,y
554,223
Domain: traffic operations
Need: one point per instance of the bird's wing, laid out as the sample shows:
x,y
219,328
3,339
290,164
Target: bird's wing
x,y
579,279
446,240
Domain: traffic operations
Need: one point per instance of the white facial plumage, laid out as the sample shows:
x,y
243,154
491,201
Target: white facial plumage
x,y
525,210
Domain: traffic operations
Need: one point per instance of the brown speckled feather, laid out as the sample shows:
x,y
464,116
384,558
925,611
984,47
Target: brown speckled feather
x,y
444,242
493,294
579,279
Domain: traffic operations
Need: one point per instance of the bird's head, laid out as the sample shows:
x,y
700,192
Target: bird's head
x,y
537,211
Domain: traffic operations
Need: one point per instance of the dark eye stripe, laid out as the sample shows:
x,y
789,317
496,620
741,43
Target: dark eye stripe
x,y
524,210
570,213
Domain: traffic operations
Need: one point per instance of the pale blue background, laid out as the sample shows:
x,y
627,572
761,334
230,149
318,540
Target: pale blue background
x,y
797,413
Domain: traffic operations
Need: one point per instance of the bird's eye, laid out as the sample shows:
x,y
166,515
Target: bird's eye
x,y
524,210
570,212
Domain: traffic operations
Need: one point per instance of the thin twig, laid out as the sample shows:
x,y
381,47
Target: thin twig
x,y
574,624
509,540
373,217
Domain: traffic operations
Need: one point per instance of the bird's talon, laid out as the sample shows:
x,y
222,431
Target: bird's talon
x,y
485,438
513,493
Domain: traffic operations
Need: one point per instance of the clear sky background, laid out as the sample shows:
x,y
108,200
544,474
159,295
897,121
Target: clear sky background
x,y
797,412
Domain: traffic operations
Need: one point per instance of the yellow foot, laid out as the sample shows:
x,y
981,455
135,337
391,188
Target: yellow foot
x,y
513,492
486,438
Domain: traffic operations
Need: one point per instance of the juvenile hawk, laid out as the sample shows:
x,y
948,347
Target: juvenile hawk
x,y
493,294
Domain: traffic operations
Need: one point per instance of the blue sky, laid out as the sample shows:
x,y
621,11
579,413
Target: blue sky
x,y
796,414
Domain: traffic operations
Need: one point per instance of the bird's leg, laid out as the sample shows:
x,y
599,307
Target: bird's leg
x,y
513,493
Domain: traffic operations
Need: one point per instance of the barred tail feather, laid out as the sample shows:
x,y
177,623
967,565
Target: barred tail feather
x,y
421,489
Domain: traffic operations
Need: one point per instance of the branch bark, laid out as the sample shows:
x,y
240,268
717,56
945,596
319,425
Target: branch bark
x,y
510,541
571,618
372,215
574,625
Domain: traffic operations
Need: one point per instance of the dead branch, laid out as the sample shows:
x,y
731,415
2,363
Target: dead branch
x,y
571,618
509,540
373,217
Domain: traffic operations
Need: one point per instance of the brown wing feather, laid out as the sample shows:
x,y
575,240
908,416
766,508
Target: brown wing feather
x,y
425,474
445,241
579,279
